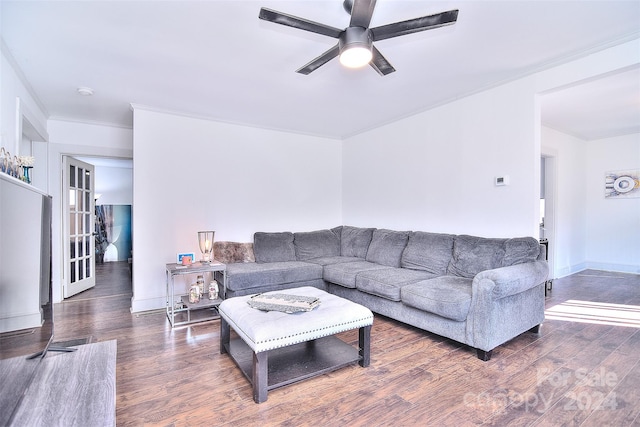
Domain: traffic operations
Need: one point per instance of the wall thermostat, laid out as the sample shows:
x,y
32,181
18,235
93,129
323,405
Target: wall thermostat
x,y
502,180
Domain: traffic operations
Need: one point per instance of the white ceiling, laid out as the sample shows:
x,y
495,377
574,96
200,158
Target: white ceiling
x,y
216,59
602,108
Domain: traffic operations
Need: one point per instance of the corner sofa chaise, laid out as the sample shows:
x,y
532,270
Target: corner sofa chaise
x,y
478,291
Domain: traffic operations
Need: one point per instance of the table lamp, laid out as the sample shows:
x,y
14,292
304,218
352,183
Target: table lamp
x,y
205,240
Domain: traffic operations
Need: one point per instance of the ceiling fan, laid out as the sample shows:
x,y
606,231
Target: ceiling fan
x,y
355,43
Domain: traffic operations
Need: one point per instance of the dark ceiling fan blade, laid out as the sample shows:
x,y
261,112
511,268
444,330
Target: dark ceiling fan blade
x,y
414,25
380,63
319,61
299,23
361,12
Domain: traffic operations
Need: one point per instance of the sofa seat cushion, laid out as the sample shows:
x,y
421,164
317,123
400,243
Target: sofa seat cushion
x,y
328,260
446,296
344,274
316,244
386,283
255,275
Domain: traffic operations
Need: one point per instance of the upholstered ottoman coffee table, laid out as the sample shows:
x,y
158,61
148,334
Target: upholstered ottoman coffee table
x,y
275,348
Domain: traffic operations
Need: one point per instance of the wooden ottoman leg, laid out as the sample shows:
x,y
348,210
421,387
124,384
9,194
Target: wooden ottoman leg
x,y
364,342
259,376
225,335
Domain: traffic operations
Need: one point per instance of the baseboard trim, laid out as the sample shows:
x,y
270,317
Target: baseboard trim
x,y
149,304
620,268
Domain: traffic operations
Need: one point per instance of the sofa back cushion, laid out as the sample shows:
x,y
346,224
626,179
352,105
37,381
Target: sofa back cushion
x,y
429,252
354,241
387,246
520,250
472,254
316,244
273,247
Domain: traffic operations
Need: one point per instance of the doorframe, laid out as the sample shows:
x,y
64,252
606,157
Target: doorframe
x,y
54,153
551,204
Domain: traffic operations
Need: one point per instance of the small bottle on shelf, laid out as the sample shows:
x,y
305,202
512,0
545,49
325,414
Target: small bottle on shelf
x,y
194,294
200,283
213,290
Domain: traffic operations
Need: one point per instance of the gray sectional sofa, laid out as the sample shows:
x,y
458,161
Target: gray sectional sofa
x,y
478,291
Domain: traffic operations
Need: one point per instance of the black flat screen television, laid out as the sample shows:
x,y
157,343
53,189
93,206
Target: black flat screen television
x,y
26,300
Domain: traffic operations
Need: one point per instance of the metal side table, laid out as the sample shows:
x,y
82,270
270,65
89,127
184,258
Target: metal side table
x,y
181,311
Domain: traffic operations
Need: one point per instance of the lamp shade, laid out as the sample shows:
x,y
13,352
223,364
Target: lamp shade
x,y
355,47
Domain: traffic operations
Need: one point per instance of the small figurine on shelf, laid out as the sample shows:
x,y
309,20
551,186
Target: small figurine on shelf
x,y
194,294
15,167
200,283
213,290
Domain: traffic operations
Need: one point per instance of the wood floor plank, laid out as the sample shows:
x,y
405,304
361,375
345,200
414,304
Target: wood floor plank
x,y
176,377
549,390
524,387
592,395
620,406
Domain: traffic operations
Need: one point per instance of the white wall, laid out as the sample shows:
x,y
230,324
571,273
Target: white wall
x,y
12,86
568,234
570,248
613,225
192,174
95,137
590,231
115,184
435,171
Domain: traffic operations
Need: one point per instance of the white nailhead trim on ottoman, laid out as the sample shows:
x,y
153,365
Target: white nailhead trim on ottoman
x,y
266,330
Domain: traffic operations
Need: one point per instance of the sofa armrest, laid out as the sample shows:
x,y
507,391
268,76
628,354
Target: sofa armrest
x,y
504,303
514,279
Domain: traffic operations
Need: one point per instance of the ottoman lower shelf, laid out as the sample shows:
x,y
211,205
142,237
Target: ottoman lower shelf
x,y
297,362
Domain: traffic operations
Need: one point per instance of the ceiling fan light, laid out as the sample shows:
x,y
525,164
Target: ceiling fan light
x,y
355,47
356,57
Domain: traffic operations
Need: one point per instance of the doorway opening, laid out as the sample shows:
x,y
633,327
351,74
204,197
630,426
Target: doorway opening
x,y
113,279
112,237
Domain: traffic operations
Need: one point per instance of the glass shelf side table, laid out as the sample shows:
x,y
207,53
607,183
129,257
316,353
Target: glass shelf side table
x,y
180,311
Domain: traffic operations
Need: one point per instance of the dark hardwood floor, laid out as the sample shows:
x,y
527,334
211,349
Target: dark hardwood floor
x,y
583,369
113,279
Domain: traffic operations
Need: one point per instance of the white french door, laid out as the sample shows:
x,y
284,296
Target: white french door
x,y
79,218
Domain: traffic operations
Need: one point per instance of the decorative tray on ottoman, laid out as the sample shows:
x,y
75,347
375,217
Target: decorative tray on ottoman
x,y
283,302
